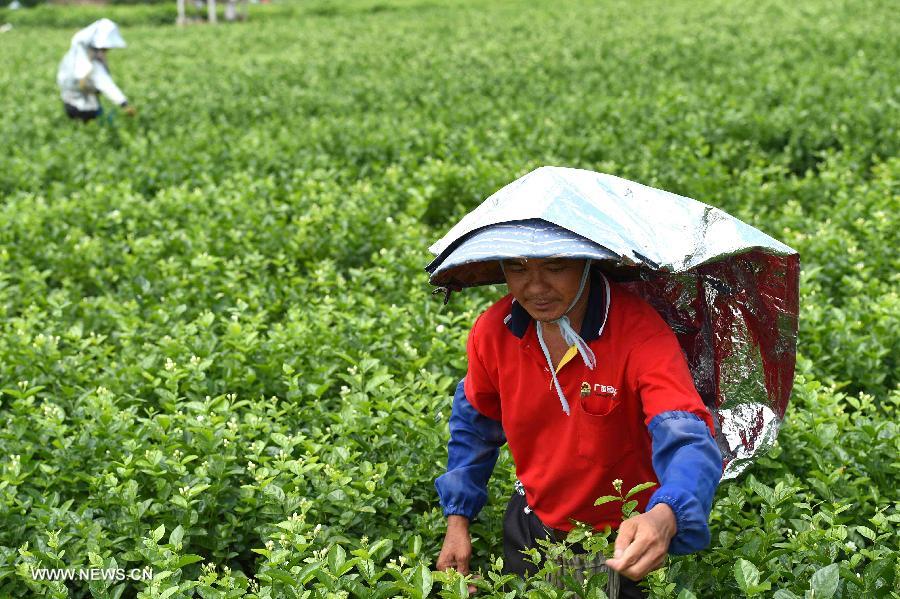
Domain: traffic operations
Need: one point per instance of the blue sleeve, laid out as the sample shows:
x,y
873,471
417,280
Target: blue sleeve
x,y
688,465
475,442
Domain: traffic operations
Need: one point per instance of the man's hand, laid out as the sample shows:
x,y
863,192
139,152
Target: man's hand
x,y
643,541
130,110
457,549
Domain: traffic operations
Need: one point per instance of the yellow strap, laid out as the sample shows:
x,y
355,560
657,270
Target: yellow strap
x,y
569,355
573,351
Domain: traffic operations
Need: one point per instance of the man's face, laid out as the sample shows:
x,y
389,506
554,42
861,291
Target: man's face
x,y
545,287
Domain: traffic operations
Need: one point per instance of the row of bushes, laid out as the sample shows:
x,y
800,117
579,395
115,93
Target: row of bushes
x,y
136,13
127,14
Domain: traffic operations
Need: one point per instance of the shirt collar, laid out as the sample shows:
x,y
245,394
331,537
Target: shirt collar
x,y
518,319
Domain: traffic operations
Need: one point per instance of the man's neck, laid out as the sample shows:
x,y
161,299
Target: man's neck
x,y
576,314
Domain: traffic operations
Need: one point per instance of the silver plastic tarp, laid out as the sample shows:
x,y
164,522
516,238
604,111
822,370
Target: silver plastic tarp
x,y
729,291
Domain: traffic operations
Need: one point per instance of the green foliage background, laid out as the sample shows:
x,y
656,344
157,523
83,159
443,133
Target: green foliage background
x,y
218,353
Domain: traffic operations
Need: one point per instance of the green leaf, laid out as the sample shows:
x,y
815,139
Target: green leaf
x,y
376,381
158,533
461,589
356,588
825,581
415,546
746,575
639,488
381,549
282,440
176,536
186,560
281,576
762,490
273,490
304,573
336,558
784,594
866,532
576,535
607,499
366,567
385,589
422,581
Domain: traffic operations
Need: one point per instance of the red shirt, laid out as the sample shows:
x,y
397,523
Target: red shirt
x,y
566,462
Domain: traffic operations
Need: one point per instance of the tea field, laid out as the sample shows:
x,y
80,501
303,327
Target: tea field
x,y
219,355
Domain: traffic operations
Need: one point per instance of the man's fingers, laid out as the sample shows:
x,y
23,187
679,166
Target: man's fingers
x,y
641,546
628,555
627,559
624,537
645,553
629,544
472,588
460,567
644,565
460,563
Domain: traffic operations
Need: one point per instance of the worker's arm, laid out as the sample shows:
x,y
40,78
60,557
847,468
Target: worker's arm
x,y
688,465
475,442
474,446
103,83
685,458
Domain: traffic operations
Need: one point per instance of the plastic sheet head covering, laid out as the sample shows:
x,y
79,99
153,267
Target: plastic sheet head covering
x,y
728,291
103,34
77,62
475,260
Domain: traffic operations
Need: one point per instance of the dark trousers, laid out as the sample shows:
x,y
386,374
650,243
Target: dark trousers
x,y
522,529
81,115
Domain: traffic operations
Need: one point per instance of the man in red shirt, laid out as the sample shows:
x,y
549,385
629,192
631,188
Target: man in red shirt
x,y
587,384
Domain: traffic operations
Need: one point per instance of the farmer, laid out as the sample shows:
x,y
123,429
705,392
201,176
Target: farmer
x,y
587,384
84,72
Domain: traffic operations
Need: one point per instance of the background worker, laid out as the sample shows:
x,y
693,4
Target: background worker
x,y
587,384
84,72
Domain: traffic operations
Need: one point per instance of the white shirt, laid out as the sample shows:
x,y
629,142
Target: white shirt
x,y
82,93
82,75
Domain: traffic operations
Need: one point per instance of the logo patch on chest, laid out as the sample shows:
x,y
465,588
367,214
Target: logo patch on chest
x,y
607,390
598,390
